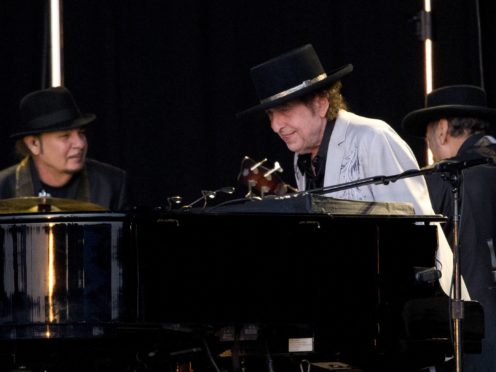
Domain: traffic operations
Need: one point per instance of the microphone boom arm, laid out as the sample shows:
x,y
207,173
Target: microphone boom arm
x,y
451,165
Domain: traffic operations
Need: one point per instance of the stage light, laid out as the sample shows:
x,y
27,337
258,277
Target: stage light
x,y
428,65
55,43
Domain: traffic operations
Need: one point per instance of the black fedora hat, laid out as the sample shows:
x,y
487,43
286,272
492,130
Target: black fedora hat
x,y
49,110
447,102
289,76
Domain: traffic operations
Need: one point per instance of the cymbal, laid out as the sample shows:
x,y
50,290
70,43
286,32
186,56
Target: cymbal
x,y
36,204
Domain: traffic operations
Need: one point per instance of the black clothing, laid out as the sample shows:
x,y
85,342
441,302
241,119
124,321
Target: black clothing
x,y
314,168
98,183
477,226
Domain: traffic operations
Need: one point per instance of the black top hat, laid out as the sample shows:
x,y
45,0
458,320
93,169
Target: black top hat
x,y
447,102
291,75
50,110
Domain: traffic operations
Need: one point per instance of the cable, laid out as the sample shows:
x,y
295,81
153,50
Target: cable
x,y
479,34
270,362
234,201
210,357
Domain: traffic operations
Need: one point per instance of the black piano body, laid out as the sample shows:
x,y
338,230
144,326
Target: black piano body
x,y
341,274
346,278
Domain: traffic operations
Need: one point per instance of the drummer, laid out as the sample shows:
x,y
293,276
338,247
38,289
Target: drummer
x,y
52,144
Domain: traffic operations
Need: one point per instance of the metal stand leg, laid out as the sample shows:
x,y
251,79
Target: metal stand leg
x,y
455,179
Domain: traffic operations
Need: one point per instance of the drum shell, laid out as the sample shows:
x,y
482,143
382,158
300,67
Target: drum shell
x,y
63,275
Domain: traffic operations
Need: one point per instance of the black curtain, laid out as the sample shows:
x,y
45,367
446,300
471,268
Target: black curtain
x,y
166,79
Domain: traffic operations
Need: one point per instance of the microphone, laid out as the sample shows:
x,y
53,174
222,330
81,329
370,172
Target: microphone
x,y
479,155
459,163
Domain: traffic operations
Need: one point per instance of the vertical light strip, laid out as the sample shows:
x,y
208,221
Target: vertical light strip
x,y
428,51
428,65
51,275
55,43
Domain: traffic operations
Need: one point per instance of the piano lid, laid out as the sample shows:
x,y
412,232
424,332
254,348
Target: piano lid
x,y
315,204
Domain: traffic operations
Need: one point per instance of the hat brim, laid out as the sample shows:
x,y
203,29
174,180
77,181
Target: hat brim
x,y
416,122
82,121
332,77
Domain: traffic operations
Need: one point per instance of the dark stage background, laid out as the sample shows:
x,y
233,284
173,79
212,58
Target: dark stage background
x,y
166,78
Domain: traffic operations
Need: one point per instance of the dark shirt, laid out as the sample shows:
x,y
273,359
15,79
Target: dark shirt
x,y
68,191
314,169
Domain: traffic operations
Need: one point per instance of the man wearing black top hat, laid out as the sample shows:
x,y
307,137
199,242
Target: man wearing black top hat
x,y
334,146
52,142
455,122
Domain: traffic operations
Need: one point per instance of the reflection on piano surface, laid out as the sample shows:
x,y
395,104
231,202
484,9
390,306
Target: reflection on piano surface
x,y
246,286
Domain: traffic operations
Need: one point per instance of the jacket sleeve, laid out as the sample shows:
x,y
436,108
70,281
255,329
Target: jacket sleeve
x,y
388,154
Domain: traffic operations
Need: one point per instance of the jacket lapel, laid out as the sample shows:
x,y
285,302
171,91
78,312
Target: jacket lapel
x,y
336,149
24,183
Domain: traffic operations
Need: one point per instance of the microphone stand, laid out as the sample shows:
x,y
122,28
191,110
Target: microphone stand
x,y
451,170
457,310
448,165
376,180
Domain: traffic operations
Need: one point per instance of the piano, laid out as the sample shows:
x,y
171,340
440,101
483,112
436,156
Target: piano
x,y
256,285
341,275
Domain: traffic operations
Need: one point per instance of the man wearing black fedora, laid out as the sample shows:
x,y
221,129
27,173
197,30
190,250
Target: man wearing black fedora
x,y
52,143
455,123
332,145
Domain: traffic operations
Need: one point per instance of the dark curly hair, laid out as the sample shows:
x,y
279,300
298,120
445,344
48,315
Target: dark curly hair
x,y
21,149
333,94
459,126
